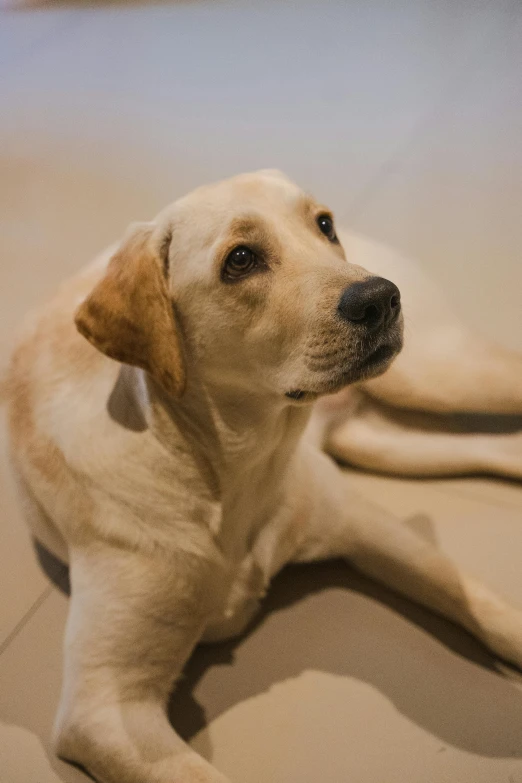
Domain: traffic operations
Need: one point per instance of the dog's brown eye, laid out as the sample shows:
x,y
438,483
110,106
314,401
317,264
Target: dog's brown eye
x,y
326,226
239,262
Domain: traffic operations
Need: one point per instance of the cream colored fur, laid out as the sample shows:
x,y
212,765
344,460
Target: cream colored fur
x,y
177,484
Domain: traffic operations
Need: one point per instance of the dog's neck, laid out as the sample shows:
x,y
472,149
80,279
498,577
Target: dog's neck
x,y
228,429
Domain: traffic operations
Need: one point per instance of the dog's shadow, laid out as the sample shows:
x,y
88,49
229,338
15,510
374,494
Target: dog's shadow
x,y
470,707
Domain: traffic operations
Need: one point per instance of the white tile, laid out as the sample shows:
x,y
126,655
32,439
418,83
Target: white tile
x,y
453,199
30,679
22,757
317,725
21,579
326,92
26,32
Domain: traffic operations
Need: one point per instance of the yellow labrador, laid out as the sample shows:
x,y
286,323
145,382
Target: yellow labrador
x,y
172,457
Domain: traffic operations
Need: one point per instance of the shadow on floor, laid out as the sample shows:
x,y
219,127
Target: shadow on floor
x,y
486,719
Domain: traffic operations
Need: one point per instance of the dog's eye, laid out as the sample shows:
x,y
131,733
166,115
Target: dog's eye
x,y
240,261
326,227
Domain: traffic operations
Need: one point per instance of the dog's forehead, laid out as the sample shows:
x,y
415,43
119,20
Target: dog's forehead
x,y
266,193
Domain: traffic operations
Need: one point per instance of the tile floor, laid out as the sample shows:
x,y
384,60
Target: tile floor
x,y
406,117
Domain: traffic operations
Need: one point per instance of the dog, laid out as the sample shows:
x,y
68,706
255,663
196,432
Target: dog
x,y
172,413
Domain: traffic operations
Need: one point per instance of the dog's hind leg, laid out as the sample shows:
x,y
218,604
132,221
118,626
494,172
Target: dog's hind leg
x,y
389,440
452,371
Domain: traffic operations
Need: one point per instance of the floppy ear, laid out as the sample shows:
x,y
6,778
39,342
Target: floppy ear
x,y
129,316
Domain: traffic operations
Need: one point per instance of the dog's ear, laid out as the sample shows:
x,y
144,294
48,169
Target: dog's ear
x,y
129,315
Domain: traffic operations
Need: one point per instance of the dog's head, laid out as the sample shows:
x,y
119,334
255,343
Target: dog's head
x,y
246,280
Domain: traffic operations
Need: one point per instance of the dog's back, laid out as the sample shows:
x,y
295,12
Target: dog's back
x,y
52,382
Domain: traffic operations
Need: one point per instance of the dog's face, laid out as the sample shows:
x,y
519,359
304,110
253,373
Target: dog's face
x,y
263,293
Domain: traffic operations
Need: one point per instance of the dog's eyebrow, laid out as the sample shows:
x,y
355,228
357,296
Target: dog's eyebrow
x,y
252,228
306,203
310,208
248,224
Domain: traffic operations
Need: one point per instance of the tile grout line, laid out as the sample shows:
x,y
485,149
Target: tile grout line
x,y
25,619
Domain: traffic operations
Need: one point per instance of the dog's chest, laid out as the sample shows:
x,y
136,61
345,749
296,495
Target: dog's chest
x,y
249,576
241,600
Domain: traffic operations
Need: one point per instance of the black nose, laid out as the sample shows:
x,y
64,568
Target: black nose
x,y
374,302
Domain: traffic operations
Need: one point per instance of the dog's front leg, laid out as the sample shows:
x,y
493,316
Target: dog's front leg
x,y
134,620
342,524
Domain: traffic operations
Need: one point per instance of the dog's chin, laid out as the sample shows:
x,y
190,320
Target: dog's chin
x,y
372,364
377,361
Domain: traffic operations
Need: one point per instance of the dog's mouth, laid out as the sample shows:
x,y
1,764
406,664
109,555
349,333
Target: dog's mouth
x,y
381,355
372,364
298,395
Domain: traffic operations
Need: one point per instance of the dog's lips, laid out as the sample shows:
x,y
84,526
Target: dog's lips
x,y
375,362
298,395
382,354
378,359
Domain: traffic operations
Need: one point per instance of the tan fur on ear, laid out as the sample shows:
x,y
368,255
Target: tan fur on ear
x,y
129,316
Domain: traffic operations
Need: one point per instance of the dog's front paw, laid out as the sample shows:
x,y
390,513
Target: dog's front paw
x,y
102,754
194,769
